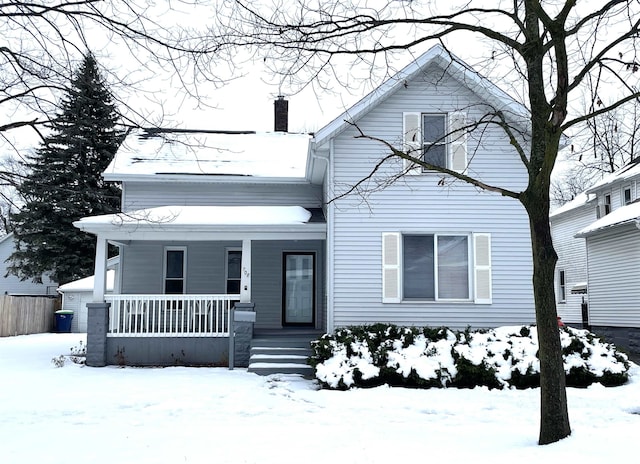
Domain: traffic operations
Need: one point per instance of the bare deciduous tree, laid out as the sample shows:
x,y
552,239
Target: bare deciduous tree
x,y
44,41
551,51
605,144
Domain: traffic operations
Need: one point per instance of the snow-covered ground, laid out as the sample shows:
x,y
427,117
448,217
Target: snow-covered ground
x,y
80,414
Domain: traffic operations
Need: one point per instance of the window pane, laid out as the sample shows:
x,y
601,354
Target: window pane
x,y
174,264
436,155
417,269
234,262
173,286
453,267
433,128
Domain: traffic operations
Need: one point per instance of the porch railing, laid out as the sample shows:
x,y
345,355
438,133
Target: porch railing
x,y
170,315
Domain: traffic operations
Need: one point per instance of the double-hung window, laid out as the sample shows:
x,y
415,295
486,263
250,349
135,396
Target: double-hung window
x,y
438,139
562,287
434,134
234,265
626,195
175,265
436,267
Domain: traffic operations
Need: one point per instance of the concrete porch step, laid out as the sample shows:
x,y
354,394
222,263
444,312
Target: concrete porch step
x,y
282,352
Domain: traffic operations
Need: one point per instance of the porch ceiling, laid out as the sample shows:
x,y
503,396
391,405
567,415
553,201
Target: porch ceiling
x,y
207,223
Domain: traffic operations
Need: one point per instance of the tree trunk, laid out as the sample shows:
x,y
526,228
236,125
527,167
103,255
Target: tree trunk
x,y
554,415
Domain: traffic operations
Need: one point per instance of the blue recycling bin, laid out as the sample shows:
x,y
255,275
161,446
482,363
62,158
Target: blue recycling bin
x,y
63,320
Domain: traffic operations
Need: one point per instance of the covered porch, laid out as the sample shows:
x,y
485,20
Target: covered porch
x,y
185,270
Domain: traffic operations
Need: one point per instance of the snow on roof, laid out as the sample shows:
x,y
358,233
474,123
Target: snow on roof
x,y
578,201
274,155
457,68
204,216
617,217
86,284
624,173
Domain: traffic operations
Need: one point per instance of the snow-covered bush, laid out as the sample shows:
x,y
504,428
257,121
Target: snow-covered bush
x,y
425,357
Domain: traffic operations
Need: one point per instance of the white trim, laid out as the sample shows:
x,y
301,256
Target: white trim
x,y
184,267
330,237
245,272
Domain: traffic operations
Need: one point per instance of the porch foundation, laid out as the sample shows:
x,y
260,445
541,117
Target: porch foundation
x,y
97,324
243,328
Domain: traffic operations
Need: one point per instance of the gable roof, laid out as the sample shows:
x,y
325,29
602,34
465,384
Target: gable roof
x,y
230,156
458,69
625,215
580,200
627,172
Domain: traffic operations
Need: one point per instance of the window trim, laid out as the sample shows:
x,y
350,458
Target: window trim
x,y
183,249
226,270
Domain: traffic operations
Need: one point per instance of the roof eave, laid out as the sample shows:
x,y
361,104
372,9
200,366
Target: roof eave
x,y
221,179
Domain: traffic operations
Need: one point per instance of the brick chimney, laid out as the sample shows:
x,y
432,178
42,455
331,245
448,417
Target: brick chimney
x,y
281,114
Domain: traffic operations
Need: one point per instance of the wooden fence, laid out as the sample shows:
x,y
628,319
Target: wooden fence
x,y
23,315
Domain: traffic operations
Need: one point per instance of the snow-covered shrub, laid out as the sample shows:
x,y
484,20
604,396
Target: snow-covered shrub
x,y
426,357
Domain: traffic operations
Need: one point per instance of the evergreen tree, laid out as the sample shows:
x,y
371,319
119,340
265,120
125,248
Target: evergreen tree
x,y
64,183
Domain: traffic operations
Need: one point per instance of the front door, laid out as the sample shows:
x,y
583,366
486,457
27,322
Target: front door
x,y
299,288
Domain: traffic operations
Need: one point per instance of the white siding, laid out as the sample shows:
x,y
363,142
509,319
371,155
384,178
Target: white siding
x,y
139,195
614,260
572,257
419,204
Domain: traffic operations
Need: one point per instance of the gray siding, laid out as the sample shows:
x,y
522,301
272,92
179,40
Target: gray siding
x,y
614,260
139,195
419,204
142,268
572,257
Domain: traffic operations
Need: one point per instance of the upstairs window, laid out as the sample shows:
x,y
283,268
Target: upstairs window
x,y
607,203
434,146
440,139
626,195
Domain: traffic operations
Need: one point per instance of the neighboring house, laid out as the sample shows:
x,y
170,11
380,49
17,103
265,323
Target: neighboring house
x,y
613,257
12,285
76,294
213,219
571,269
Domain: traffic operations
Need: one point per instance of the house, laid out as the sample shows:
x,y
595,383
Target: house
x,y
612,243
12,285
571,269
76,294
263,222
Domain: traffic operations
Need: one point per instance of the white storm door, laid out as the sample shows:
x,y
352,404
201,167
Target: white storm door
x,y
299,288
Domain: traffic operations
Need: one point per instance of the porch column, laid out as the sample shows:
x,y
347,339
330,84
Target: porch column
x,y
100,270
245,274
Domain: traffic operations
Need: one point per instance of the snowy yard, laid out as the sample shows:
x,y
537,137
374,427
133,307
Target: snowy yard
x,y
79,414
